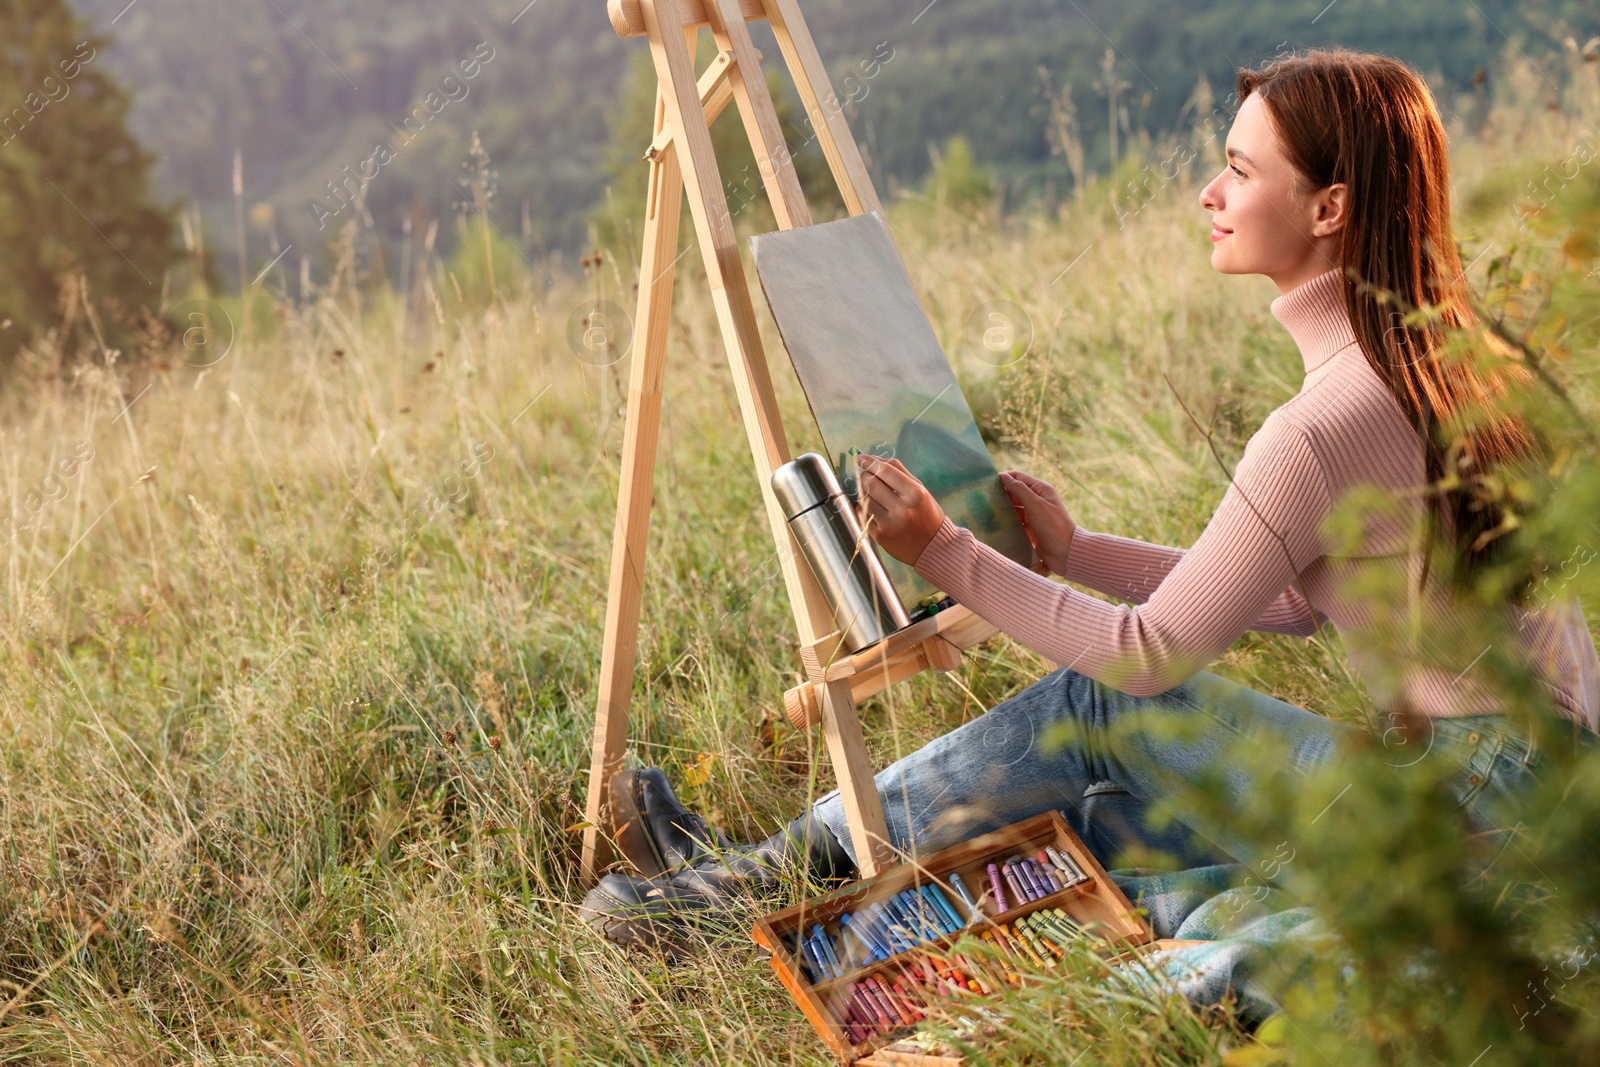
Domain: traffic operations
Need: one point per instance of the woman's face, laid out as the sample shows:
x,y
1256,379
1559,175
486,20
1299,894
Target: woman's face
x,y
1259,223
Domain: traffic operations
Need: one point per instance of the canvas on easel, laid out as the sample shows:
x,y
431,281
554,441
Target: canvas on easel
x,y
878,381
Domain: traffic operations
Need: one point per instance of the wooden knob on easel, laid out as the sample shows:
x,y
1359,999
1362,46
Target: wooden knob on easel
x,y
802,707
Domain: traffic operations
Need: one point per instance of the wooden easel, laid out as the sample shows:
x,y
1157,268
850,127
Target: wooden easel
x,y
682,160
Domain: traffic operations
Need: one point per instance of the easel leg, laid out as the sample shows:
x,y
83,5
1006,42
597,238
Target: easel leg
x,y
630,539
869,832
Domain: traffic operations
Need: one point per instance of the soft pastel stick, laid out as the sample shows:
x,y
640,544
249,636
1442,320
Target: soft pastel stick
x,y
877,922
1020,867
930,912
820,946
964,893
875,931
1069,867
909,915
1059,860
895,930
906,993
849,1009
989,936
826,944
1026,945
856,929
1023,879
891,1018
916,908
881,992
999,889
942,902
869,1008
1057,879
1032,938
1065,928
948,923
888,915
1040,929
870,1003
899,935
856,1024
1046,923
1045,885
979,975
1021,891
909,928
818,960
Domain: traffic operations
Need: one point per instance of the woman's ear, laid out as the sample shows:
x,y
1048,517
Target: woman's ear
x,y
1332,209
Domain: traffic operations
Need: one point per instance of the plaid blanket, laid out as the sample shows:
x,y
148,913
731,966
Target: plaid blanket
x,y
1242,922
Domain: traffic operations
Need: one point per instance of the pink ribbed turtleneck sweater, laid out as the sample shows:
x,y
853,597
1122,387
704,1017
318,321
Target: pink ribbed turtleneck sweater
x,y
1264,562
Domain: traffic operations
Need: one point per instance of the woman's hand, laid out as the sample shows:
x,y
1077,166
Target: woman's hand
x,y
896,509
1044,517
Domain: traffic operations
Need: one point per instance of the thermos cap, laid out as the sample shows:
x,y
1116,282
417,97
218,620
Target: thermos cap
x,y
803,483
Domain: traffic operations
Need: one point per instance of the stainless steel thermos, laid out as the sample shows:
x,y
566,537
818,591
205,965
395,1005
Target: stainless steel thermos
x,y
852,578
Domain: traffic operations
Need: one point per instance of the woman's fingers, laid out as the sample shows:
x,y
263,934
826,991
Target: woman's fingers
x,y
1041,487
892,473
1023,494
876,489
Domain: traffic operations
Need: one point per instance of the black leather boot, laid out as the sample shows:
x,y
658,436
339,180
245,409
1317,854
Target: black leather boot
x,y
660,836
654,831
714,894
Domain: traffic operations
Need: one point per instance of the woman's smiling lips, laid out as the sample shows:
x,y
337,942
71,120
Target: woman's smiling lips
x,y
1218,233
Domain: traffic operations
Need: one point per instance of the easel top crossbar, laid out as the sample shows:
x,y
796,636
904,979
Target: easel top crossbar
x,y
627,16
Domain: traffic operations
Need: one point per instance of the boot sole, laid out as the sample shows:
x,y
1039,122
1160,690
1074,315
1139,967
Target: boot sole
x,y
633,835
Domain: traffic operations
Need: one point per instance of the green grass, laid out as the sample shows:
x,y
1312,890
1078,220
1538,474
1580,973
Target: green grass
x,y
291,763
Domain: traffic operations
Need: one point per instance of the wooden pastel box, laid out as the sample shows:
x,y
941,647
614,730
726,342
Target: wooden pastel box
x,y
894,926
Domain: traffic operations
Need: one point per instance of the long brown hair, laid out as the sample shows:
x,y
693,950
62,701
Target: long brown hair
x,y
1369,121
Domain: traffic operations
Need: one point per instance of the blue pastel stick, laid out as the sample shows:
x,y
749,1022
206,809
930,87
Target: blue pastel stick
x,y
946,926
827,948
858,931
893,928
875,931
879,918
943,903
904,928
919,918
964,893
954,912
930,914
818,960
797,944
873,914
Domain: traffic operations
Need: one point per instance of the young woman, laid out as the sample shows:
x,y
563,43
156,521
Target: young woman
x,y
1337,188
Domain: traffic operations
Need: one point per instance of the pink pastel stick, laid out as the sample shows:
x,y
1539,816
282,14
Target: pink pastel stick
x,y
998,886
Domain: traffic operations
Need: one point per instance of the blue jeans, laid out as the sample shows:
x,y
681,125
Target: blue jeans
x,y
1010,764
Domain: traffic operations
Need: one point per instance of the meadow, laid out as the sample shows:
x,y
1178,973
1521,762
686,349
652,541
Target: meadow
x,y
301,630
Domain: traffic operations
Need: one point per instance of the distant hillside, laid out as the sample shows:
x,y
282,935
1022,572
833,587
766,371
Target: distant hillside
x,y
309,91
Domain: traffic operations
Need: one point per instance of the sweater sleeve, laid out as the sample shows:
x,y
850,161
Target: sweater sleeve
x,y
1265,531
1131,570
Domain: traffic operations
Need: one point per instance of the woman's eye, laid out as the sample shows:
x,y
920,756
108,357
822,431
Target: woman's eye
x,y
1237,171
